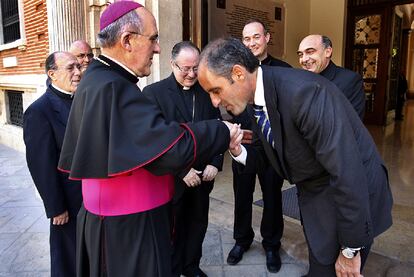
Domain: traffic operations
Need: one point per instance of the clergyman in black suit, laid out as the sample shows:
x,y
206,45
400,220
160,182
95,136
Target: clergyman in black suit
x,y
315,53
44,124
256,37
314,139
181,99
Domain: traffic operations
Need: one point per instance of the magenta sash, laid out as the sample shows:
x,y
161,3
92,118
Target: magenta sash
x,y
133,193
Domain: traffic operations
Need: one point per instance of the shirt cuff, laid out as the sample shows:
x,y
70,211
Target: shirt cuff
x,y
242,157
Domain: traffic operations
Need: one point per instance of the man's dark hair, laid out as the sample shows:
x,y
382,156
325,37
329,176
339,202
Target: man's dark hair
x,y
222,54
183,45
50,63
326,42
256,20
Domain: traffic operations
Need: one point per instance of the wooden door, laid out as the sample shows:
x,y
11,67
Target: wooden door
x,y
394,68
367,52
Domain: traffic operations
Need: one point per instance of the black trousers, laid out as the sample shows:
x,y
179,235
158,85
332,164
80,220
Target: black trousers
x,y
271,227
190,221
63,248
319,270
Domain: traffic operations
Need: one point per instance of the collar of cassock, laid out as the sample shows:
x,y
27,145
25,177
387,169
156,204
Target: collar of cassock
x,y
61,93
120,68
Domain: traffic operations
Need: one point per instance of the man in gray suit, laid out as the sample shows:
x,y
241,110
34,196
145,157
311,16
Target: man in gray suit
x,y
314,138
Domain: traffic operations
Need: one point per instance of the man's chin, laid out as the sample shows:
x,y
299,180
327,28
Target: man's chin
x,y
233,111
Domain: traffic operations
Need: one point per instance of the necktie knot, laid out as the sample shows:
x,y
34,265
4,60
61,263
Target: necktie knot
x,y
257,108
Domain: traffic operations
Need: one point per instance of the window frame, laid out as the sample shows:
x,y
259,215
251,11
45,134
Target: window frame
x,y
22,40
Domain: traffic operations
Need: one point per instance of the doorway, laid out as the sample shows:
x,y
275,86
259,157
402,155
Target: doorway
x,y
375,48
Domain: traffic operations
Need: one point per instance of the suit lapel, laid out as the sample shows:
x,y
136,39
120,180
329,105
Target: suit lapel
x,y
177,98
62,113
274,118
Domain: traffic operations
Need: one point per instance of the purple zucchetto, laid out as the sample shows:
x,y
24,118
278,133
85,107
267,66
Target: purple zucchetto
x,y
115,11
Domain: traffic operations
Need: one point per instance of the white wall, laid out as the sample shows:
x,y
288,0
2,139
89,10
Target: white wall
x,y
328,18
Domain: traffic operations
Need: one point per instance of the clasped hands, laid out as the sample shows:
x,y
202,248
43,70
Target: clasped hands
x,y
193,178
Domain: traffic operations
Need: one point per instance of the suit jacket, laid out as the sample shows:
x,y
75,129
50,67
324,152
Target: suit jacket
x,y
322,146
167,95
274,62
44,124
350,83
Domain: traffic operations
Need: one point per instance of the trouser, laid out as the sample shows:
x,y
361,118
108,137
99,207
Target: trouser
x,y
63,248
317,269
271,227
190,217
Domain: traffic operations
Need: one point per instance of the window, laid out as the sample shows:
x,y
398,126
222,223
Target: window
x,y
15,101
9,21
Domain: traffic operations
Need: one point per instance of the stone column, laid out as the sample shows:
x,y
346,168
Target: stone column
x,y
168,14
66,23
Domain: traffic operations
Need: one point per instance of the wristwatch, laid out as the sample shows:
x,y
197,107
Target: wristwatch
x,y
349,252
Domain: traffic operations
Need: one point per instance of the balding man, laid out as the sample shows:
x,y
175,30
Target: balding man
x,y
83,52
315,53
44,124
119,144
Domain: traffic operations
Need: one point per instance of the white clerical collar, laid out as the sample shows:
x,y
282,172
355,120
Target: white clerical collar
x,y
61,90
120,64
259,98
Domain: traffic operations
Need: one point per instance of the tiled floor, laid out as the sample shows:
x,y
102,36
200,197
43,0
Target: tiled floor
x,y
396,145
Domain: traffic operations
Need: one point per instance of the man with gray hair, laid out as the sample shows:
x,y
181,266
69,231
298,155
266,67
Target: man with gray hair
x,y
44,124
121,147
315,52
83,52
313,138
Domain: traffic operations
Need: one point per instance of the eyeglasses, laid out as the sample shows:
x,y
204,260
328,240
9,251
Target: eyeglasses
x,y
83,56
187,69
153,39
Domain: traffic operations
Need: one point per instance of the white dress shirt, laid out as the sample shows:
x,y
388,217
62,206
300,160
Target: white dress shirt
x,y
259,99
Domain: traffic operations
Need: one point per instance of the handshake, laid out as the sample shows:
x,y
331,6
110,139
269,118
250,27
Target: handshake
x,y
237,137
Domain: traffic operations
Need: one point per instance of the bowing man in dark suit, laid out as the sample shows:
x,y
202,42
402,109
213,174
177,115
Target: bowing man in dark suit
x,y
256,37
181,99
314,138
315,52
44,124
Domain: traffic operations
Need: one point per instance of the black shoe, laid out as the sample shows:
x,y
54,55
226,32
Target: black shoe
x,y
273,262
197,272
236,254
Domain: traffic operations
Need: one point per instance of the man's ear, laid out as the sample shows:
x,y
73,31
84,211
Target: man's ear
x,y
267,36
328,52
126,41
51,74
238,72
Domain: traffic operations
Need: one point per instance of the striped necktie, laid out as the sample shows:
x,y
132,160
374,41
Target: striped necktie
x,y
263,124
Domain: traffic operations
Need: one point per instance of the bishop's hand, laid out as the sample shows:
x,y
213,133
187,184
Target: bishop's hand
x,y
236,136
